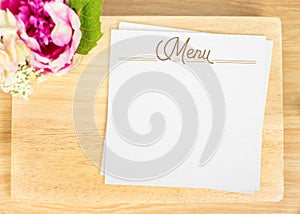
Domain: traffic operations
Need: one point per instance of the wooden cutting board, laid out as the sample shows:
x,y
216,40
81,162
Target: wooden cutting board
x,y
48,164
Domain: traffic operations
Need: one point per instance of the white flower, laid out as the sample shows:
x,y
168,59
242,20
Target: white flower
x,y
15,73
19,84
13,51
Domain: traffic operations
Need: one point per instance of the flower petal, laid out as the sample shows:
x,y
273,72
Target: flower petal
x,y
63,59
61,34
75,22
2,18
10,44
11,18
29,41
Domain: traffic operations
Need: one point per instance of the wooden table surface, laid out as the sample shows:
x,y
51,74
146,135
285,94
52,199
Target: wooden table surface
x,y
289,12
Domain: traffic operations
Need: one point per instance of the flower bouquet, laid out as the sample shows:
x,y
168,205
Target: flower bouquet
x,y
41,37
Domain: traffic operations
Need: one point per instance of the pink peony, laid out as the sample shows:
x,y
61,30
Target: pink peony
x,y
51,29
12,5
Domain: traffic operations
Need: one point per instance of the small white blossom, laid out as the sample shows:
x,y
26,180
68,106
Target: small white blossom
x,y
19,83
40,78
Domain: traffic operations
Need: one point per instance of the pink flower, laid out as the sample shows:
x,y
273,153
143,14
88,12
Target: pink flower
x,y
51,29
12,5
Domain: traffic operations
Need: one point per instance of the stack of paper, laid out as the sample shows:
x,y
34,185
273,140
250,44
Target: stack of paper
x,y
185,109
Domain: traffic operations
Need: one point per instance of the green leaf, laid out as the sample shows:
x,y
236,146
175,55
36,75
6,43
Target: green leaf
x,y
89,12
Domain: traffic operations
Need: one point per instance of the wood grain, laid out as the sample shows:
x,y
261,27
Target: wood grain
x,y
49,166
288,11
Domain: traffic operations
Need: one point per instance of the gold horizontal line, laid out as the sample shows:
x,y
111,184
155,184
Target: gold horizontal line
x,y
233,60
130,58
143,59
195,61
228,62
139,60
